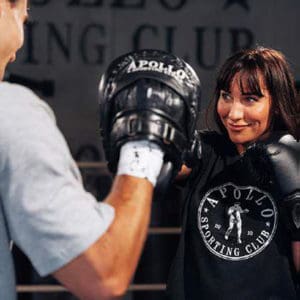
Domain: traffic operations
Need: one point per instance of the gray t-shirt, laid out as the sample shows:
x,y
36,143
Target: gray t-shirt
x,y
43,206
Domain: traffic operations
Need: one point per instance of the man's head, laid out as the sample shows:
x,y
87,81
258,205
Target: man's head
x,y
13,14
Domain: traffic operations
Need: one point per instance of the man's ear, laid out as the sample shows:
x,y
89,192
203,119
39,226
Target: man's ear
x,y
2,8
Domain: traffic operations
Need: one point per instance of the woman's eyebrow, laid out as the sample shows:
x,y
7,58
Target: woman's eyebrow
x,y
252,93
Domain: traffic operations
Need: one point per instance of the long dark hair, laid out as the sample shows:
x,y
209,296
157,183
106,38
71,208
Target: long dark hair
x,y
279,81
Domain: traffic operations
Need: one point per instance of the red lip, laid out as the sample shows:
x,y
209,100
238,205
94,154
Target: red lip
x,y
236,127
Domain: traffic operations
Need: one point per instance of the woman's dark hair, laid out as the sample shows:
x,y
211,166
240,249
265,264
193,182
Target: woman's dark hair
x,y
279,81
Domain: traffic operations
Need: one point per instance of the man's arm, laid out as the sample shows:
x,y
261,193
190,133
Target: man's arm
x,y
147,120
106,267
60,227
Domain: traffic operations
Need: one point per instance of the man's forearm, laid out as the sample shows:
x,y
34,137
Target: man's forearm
x,y
131,197
105,269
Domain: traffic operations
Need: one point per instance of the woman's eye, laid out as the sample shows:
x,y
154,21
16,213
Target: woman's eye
x,y
251,99
225,96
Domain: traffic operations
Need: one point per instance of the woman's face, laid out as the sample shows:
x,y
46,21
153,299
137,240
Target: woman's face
x,y
12,18
246,116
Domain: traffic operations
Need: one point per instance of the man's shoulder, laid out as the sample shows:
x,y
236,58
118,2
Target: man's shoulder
x,y
15,90
17,101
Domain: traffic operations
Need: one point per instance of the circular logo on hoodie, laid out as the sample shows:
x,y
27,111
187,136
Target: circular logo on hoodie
x,y
237,222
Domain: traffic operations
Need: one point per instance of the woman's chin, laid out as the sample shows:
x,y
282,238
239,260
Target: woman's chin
x,y
237,138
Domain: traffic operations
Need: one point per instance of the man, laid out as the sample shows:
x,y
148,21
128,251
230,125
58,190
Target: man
x,y
91,248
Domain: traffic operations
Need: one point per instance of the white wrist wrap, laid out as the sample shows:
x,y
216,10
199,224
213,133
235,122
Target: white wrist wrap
x,y
142,159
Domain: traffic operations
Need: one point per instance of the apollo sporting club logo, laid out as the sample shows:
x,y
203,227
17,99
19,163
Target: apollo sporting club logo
x,y
237,222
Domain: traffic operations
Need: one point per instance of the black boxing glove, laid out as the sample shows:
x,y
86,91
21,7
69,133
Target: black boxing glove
x,y
279,158
192,156
149,95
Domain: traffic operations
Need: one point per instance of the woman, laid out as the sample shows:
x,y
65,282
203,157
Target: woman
x,y
234,244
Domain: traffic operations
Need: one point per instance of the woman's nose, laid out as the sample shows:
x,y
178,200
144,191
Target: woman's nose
x,y
236,111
